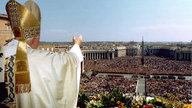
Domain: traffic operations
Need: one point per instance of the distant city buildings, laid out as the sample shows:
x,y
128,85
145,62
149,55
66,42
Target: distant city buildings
x,y
92,51
111,50
176,51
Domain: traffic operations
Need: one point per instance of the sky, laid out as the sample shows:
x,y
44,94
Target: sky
x,y
114,20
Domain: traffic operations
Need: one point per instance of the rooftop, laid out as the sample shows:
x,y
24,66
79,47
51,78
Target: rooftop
x,y
3,16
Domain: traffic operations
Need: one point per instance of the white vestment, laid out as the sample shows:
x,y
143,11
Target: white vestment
x,y
54,78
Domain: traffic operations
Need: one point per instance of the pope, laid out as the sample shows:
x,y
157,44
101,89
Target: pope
x,y
33,78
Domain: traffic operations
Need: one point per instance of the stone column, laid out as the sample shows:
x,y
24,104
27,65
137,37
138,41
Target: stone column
x,y
175,56
181,58
107,54
104,56
113,55
101,55
94,55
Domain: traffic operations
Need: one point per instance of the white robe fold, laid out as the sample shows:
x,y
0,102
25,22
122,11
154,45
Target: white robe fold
x,y
54,78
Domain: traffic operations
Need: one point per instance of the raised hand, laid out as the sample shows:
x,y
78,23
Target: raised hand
x,y
78,40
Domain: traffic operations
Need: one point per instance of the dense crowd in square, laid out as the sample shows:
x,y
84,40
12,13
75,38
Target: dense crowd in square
x,y
153,65
95,84
161,87
130,64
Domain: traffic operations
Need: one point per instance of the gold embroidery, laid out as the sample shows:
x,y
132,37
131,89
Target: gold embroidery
x,y
21,66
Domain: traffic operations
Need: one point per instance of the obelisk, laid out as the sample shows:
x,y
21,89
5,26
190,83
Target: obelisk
x,y
142,59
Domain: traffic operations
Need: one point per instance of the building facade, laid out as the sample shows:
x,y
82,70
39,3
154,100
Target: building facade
x,y
132,51
5,29
177,52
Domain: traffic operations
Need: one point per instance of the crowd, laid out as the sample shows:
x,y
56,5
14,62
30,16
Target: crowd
x,y
95,84
129,64
161,87
153,65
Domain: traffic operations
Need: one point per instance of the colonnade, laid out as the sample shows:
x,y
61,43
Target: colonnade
x,y
183,56
98,55
131,51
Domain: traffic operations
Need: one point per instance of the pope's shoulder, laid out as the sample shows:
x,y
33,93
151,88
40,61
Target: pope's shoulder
x,y
44,53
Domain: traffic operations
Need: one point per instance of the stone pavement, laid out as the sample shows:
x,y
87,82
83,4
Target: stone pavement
x,y
141,86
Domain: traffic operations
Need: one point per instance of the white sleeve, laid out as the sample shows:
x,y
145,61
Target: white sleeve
x,y
76,49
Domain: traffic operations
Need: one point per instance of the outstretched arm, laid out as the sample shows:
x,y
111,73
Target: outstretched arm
x,y
76,49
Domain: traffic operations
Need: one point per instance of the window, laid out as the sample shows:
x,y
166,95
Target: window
x,y
8,27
